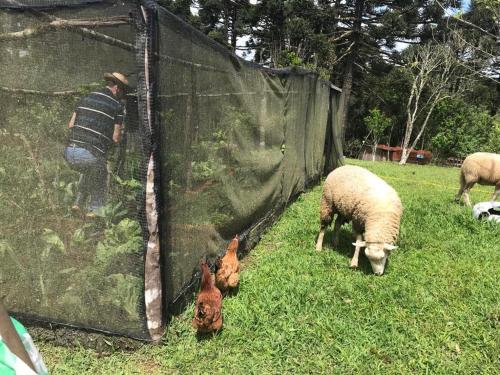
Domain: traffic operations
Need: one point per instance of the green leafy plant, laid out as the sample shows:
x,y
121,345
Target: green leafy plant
x,y
122,238
462,129
99,281
81,237
494,141
7,251
124,293
111,213
293,59
54,248
126,191
52,243
213,155
66,191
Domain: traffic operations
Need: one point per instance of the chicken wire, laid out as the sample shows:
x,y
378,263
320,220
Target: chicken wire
x,y
213,146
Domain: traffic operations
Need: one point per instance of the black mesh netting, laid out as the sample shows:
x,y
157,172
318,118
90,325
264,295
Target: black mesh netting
x,y
238,142
76,265
201,143
32,4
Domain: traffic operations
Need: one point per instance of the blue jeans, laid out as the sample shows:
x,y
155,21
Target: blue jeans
x,y
93,176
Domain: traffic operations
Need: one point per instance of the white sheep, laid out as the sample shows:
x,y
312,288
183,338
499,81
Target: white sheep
x,y
355,194
480,167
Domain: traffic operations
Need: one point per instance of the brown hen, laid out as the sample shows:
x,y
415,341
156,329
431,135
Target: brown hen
x,y
208,307
228,274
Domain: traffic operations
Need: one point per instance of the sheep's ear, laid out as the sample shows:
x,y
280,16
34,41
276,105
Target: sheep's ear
x,y
389,247
360,243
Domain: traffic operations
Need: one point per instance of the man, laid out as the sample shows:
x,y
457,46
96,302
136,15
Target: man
x,y
94,127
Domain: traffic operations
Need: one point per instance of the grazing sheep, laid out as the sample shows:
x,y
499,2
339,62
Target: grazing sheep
x,y
357,195
480,167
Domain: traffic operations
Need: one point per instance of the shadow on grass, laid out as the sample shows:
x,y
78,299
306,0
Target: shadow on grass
x,y
203,336
232,292
346,249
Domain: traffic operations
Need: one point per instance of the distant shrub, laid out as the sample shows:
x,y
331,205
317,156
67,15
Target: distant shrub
x,y
461,129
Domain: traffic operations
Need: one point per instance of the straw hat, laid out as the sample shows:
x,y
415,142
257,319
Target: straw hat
x,y
117,78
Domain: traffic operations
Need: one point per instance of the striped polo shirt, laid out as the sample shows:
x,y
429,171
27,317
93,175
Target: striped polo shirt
x,y
96,116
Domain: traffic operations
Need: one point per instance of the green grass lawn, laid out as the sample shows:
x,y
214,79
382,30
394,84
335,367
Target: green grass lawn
x,y
436,309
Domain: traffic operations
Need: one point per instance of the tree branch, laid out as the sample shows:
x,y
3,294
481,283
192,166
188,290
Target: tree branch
x,y
343,36
106,39
406,41
62,24
348,50
91,33
36,92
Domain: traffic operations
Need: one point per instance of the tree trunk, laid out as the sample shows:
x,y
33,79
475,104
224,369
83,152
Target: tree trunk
x,y
410,121
346,94
234,36
404,156
276,50
347,84
406,150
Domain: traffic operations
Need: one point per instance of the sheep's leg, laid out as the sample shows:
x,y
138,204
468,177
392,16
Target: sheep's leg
x,y
496,193
354,260
319,243
467,188
459,194
326,216
466,183
336,230
463,185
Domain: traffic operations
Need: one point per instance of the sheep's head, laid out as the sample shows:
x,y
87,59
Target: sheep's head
x,y
377,253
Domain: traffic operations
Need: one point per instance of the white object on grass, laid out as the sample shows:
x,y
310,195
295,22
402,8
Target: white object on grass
x,y
487,210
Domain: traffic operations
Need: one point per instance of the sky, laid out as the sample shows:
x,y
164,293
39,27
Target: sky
x,y
465,7
465,4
